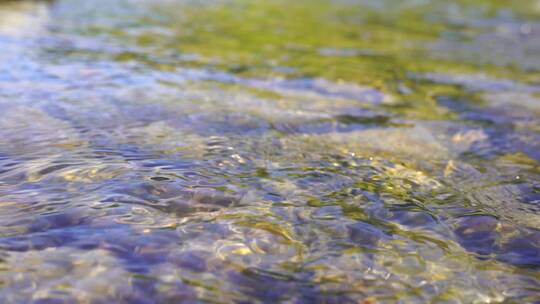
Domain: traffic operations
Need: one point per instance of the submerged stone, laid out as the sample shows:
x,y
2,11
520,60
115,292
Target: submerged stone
x,y
365,235
478,234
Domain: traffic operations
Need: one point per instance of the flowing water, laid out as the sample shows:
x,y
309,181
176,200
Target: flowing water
x,y
309,151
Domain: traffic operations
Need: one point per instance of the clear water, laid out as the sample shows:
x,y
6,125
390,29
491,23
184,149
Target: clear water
x,y
270,151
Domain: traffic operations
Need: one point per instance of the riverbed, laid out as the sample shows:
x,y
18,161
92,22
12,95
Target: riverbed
x,y
234,151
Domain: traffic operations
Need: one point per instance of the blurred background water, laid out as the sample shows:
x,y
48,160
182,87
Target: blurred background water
x,y
345,151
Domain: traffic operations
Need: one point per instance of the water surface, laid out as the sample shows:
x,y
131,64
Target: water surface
x,y
262,151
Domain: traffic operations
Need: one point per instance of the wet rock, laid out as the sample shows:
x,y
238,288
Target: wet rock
x,y
365,235
213,197
191,260
59,220
46,222
478,234
152,193
414,219
198,200
262,285
523,249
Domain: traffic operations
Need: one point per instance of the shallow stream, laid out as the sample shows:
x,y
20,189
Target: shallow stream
x,y
307,151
